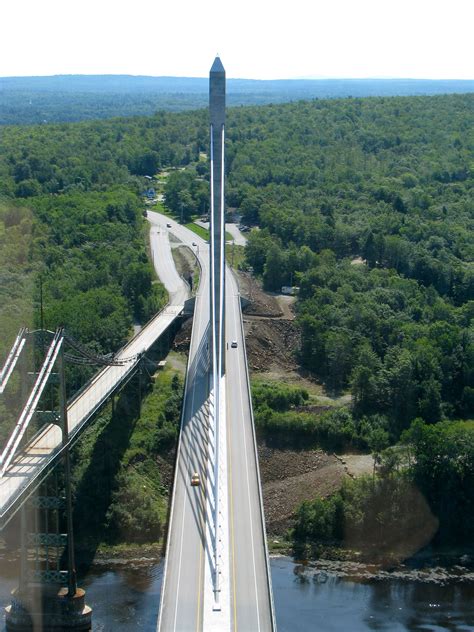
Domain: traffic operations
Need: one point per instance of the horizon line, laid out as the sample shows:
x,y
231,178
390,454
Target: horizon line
x,y
300,78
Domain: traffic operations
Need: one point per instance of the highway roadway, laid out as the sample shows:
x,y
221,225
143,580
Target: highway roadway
x,y
163,260
237,237
187,597
251,601
183,591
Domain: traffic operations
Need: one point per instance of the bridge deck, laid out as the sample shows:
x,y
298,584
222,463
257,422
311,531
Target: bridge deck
x,y
245,586
30,465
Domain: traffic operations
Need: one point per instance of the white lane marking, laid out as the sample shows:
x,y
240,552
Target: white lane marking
x,y
248,483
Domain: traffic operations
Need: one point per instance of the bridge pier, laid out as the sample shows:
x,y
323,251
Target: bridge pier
x,y
48,598
48,610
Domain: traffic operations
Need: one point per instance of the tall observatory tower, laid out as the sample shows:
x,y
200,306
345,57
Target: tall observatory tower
x,y
217,293
217,213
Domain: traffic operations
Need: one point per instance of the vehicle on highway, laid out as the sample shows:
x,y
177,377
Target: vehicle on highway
x,y
234,344
194,243
195,480
168,225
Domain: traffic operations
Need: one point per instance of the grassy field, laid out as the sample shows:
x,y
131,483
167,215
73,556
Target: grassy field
x,y
199,230
204,232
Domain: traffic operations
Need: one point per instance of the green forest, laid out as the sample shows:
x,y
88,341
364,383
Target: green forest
x,y
68,98
366,205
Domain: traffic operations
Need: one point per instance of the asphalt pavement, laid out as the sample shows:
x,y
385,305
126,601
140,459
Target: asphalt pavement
x,y
251,590
182,595
184,603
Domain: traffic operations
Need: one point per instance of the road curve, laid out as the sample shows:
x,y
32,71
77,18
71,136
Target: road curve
x,y
181,607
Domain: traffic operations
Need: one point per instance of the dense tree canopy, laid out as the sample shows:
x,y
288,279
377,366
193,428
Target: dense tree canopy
x,y
402,509
366,204
95,272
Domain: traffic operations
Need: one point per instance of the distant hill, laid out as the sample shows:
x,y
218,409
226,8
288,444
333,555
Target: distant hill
x,y
84,97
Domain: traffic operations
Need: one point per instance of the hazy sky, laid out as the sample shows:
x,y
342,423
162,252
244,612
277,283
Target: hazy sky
x,y
255,38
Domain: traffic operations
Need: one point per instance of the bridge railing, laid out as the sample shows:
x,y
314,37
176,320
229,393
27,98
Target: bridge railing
x,y
12,358
119,356
29,409
97,376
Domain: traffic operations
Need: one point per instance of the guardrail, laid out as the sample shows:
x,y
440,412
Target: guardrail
x,y
32,402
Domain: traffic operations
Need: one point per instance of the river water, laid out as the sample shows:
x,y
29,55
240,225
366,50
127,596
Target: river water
x,y
125,598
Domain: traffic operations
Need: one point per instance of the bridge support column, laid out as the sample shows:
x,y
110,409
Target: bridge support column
x,y
140,386
48,598
23,552
43,601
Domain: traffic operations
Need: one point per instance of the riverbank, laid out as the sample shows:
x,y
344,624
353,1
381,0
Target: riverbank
x,y
433,573
124,554
439,569
428,566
